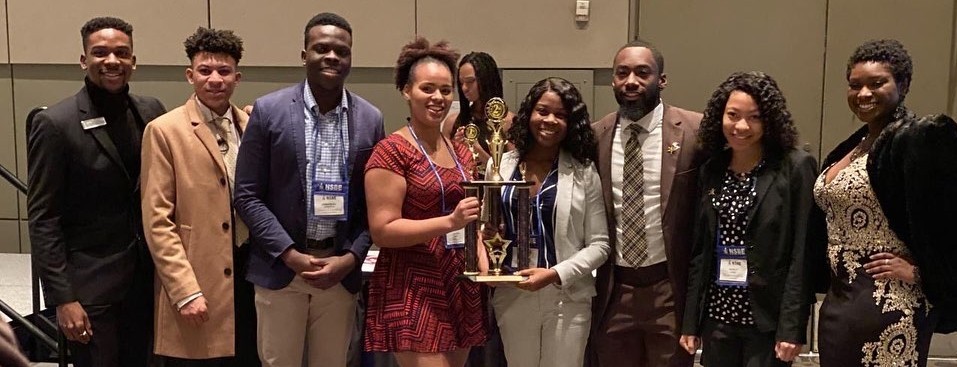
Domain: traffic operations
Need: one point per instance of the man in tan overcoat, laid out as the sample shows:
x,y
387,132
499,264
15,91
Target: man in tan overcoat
x,y
204,307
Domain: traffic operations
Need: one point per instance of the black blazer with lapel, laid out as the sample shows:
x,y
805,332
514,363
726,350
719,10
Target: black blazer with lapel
x,y
776,237
85,230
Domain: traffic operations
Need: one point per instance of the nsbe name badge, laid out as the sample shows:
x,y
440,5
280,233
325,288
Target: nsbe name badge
x,y
330,199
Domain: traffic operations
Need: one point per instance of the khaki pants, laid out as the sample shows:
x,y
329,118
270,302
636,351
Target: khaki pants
x,y
301,318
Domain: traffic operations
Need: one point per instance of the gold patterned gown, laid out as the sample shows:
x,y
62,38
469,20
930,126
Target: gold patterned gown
x,y
866,321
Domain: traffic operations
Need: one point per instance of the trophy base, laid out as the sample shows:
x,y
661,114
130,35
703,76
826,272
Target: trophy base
x,y
486,277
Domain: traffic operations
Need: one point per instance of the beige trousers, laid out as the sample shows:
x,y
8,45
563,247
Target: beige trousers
x,y
300,319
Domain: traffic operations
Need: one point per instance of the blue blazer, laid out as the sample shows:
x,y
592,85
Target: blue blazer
x,y
270,194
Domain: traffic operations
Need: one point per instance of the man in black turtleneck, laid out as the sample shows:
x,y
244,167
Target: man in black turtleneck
x,y
85,222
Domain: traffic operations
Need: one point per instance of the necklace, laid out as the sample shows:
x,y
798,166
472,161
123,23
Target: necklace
x,y
860,149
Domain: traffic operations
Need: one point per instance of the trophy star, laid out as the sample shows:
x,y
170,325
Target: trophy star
x,y
497,241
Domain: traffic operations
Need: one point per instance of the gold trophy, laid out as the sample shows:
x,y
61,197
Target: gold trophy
x,y
490,192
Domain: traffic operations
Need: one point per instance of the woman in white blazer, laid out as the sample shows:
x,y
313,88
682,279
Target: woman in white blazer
x,y
545,319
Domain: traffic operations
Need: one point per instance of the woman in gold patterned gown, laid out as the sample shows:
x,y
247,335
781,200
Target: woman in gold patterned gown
x,y
889,196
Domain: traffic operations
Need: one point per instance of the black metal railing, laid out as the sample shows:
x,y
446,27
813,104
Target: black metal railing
x,y
38,326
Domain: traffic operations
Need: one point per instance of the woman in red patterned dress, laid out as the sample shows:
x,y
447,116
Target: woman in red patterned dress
x,y
418,307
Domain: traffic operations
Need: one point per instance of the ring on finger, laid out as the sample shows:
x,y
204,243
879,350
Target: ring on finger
x,y
887,261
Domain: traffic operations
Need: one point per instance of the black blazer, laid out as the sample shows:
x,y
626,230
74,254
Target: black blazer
x,y
912,168
776,238
83,205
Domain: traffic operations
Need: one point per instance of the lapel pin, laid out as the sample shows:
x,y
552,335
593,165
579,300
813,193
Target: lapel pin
x,y
673,148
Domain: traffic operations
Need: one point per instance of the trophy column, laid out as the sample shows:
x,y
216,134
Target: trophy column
x,y
490,192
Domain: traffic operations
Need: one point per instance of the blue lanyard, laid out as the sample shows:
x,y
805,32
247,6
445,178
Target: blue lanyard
x,y
436,170
341,142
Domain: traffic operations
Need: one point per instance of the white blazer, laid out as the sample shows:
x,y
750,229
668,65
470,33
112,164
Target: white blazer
x,y
581,230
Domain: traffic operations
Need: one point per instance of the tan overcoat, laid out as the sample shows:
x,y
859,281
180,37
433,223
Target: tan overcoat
x,y
188,222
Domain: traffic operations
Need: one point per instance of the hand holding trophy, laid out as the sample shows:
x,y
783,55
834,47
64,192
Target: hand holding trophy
x,y
490,191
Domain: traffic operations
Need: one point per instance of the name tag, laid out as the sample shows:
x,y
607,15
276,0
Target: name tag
x,y
455,239
330,199
91,123
732,266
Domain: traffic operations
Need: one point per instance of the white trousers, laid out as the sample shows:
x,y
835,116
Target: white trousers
x,y
542,328
300,317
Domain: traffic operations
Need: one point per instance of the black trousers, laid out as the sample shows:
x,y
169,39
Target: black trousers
x,y
245,309
737,346
123,331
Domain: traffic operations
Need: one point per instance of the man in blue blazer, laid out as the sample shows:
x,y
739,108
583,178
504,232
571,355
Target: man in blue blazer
x,y
299,188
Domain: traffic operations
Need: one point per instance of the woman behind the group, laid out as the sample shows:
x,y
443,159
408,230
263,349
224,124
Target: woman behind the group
x,y
418,307
478,81
545,320
748,296
890,200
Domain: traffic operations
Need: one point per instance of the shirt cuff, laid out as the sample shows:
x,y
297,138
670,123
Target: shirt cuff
x,y
182,303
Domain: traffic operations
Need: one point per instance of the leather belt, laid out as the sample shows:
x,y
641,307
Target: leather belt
x,y
323,244
643,276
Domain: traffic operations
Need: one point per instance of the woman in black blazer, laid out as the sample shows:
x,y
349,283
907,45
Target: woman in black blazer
x,y
748,296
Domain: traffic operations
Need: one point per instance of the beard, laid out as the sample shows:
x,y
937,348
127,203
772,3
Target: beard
x,y
635,110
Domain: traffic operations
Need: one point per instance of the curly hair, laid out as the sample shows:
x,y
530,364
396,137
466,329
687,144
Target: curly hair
x,y
214,41
489,84
889,52
780,135
100,23
579,138
332,19
419,51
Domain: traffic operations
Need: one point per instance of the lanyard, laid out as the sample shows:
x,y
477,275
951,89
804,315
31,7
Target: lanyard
x,y
340,142
436,170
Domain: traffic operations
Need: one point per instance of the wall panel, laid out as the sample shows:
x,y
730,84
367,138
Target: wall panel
x,y
159,28
8,152
705,41
538,34
4,46
926,30
273,33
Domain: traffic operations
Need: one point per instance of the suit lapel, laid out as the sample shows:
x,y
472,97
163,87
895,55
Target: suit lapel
x,y
671,134
605,131
563,199
99,134
766,177
203,132
297,117
351,124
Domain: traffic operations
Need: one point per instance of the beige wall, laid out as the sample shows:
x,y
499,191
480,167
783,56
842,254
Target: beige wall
x,y
803,44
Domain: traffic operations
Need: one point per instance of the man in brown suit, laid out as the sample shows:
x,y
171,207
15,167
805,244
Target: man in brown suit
x,y
647,160
204,307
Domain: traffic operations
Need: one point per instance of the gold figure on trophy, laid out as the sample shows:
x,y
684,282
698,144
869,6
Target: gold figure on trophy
x,y
496,110
490,191
471,136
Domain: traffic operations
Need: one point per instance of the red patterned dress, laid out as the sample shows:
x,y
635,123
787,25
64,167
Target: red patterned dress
x,y
416,300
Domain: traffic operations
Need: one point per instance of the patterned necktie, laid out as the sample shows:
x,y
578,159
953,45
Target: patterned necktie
x,y
231,145
634,246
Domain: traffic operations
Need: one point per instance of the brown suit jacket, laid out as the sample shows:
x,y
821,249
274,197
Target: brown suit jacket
x,y
188,222
679,196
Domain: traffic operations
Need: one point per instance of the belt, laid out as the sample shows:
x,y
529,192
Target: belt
x,y
643,276
323,244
